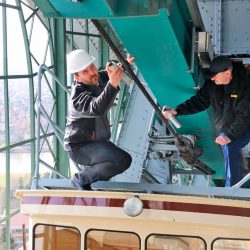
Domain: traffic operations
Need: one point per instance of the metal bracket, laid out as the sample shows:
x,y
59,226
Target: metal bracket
x,y
204,48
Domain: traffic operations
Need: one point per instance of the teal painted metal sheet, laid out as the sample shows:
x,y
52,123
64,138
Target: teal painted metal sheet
x,y
160,56
98,8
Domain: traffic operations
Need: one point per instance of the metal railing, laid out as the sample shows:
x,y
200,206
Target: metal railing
x,y
41,112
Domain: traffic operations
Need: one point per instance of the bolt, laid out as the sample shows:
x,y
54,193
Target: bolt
x,y
146,4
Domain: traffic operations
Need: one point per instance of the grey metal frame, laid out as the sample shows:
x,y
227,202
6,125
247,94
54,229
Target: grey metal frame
x,y
226,21
218,192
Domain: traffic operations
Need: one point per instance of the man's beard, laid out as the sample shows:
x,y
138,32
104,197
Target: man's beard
x,y
94,79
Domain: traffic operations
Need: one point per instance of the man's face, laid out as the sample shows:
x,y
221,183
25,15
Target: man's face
x,y
88,75
222,78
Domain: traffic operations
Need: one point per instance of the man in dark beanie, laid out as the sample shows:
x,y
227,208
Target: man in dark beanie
x,y
228,92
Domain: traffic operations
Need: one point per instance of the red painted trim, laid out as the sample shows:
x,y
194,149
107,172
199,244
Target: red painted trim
x,y
147,204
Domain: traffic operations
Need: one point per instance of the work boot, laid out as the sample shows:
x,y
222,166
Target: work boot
x,y
76,183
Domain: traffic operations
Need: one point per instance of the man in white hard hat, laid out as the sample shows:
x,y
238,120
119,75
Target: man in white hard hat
x,y
87,130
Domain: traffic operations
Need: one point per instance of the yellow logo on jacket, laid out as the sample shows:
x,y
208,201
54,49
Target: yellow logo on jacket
x,y
235,96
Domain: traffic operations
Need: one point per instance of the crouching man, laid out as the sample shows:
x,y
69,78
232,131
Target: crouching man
x,y
87,133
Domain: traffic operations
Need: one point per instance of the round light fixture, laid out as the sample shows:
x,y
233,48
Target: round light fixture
x,y
133,206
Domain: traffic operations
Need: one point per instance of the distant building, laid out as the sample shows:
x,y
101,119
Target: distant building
x,y
16,228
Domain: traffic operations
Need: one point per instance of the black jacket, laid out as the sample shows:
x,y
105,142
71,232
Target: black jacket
x,y
230,103
87,116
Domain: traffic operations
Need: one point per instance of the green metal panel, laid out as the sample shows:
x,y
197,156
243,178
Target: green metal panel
x,y
160,51
61,97
64,8
31,88
7,128
46,7
98,8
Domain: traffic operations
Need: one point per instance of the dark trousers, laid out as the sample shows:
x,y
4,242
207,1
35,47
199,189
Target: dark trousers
x,y
103,160
233,158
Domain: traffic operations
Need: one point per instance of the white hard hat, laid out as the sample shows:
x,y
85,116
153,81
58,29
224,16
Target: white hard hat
x,y
78,60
